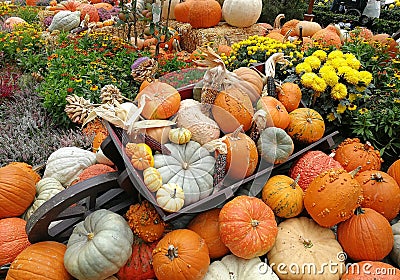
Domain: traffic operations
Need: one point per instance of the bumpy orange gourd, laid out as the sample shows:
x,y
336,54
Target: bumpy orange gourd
x,y
204,13
92,171
277,114
181,255
13,239
289,94
247,227
332,197
306,125
91,11
381,193
17,191
367,235
351,153
394,171
181,11
366,270
387,42
327,37
290,24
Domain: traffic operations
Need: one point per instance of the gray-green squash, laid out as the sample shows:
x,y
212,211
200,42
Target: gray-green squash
x,y
275,145
65,21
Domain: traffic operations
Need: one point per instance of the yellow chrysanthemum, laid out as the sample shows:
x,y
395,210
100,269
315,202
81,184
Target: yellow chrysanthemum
x,y
353,62
341,108
330,77
303,68
319,84
361,88
320,54
307,79
331,117
337,62
335,54
343,70
313,61
339,91
365,77
352,76
352,107
352,97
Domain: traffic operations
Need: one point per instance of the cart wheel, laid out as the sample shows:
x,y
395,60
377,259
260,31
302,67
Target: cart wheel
x,y
56,218
353,12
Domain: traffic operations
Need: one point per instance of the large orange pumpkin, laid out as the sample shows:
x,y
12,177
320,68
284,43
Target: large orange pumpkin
x,y
247,227
306,125
28,168
277,114
394,171
181,255
367,235
204,13
386,42
161,102
91,11
17,191
207,226
13,239
327,37
369,270
40,261
181,11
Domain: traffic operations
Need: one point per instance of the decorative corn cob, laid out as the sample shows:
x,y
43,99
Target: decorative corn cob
x,y
219,169
155,145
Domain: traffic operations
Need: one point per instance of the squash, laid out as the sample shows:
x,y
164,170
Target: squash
x,y
289,25
306,125
65,21
247,227
17,191
327,37
98,246
65,164
28,168
395,253
11,22
40,261
180,135
232,12
274,145
254,79
90,10
170,197
333,196
232,267
394,171
92,171
207,226
368,270
366,236
204,13
277,114
289,94
198,182
46,188
309,28
141,155
301,242
13,239
283,195
152,179
181,255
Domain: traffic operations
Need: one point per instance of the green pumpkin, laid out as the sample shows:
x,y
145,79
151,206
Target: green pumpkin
x,y
275,145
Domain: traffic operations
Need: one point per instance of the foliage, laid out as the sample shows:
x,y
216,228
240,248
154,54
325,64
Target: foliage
x,y
183,77
291,10
9,76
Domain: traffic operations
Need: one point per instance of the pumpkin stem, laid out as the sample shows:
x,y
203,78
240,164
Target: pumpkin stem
x,y
235,134
90,235
172,252
359,210
377,177
173,195
306,242
295,182
254,223
367,146
354,172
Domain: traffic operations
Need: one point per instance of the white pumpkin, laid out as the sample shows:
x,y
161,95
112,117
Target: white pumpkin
x,y
395,253
241,13
98,246
190,166
232,267
65,164
65,21
46,188
170,197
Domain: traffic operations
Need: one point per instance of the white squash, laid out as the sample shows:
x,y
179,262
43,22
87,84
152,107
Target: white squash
x,y
190,166
101,158
65,21
395,253
232,267
170,197
65,164
241,13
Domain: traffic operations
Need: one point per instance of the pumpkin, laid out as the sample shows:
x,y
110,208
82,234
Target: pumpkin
x,y
181,255
46,188
17,191
368,270
242,155
145,222
276,112
283,195
141,155
224,49
162,101
207,226
380,192
92,171
231,109
247,227
309,28
11,22
204,13
289,25
69,5
232,267
360,32
232,12
181,11
385,41
310,165
253,78
28,168
351,153
301,242
367,235
174,169
172,9
13,239
157,129
152,179
90,10
85,259
394,171
65,21
180,135
98,139
332,197
275,145
289,94
139,265
329,36
40,261
65,164
276,36
395,253
102,5
306,125
170,197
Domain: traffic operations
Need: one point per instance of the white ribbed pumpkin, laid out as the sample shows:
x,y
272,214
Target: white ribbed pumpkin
x,y
241,13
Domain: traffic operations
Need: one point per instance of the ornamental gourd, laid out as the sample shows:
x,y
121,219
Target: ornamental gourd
x,y
190,166
275,145
152,179
306,125
289,94
366,236
301,241
65,21
366,270
232,267
65,164
170,197
277,114
180,135
85,259
232,12
247,227
204,13
141,155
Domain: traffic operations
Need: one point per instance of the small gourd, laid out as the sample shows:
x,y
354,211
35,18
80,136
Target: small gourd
x,y
180,135
170,197
152,179
65,21
275,145
140,154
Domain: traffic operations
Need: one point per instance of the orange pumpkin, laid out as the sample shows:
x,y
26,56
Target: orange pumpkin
x,y
332,197
367,235
366,270
102,5
291,24
92,171
277,115
306,125
224,49
69,5
181,11
394,171
207,226
204,13
276,36
40,261
253,79
13,239
17,191
162,101
327,37
386,42
247,227
28,168
289,94
89,9
141,155
180,255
